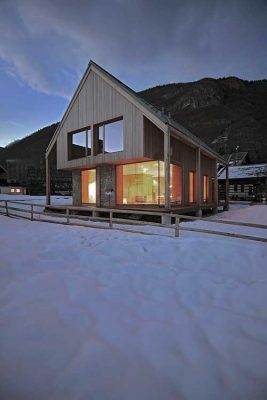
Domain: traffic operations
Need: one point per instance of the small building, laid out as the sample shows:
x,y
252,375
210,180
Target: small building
x,y
13,190
246,182
125,153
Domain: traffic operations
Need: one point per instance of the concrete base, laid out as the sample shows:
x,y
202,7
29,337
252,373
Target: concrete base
x,y
199,213
166,219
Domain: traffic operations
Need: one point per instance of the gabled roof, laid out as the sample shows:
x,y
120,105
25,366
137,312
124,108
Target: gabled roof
x,y
162,117
246,171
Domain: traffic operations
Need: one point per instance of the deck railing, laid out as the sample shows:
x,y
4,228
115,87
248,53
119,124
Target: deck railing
x,y
68,215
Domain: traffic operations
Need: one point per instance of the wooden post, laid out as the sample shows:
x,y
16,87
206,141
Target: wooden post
x,y
216,193
199,186
177,220
68,215
167,168
227,187
110,219
48,180
6,208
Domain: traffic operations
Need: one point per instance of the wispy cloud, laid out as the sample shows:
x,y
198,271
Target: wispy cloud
x,y
47,44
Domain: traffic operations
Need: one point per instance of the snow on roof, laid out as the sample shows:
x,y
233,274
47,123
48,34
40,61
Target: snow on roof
x,y
246,171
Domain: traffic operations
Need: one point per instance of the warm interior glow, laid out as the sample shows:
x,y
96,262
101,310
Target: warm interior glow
x,y
144,183
191,187
89,186
205,188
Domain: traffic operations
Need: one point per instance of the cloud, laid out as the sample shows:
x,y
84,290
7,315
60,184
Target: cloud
x,y
47,44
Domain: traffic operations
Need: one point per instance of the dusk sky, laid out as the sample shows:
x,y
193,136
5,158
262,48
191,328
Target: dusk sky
x,y
45,47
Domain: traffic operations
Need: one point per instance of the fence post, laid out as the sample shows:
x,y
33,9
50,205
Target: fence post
x,y
68,215
6,208
31,212
110,219
177,220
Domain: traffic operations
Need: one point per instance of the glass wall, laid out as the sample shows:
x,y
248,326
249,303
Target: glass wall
x,y
89,186
144,183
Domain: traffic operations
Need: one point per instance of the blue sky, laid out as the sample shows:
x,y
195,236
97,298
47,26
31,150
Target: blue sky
x,y
45,47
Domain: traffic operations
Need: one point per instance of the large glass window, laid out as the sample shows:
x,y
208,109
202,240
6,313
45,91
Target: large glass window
x,y
144,183
109,137
80,144
89,186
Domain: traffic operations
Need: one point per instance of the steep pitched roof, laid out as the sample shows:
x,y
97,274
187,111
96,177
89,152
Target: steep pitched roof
x,y
165,119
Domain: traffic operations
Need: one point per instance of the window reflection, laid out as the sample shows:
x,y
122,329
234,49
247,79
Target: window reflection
x,y
144,183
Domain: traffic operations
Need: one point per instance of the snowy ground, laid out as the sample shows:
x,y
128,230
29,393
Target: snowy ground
x,y
98,314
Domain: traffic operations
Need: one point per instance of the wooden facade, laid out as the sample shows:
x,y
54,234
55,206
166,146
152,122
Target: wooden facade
x,y
147,135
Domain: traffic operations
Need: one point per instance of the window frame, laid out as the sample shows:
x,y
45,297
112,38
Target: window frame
x,y
96,135
70,142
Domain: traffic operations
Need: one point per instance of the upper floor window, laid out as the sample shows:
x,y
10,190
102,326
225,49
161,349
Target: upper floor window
x,y
80,144
109,137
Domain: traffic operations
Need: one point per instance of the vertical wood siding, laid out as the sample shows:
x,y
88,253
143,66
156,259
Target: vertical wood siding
x,y
98,102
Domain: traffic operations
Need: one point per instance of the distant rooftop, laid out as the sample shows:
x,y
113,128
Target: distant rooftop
x,y
236,158
246,171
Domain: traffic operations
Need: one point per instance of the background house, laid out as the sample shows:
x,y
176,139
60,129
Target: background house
x,y
246,182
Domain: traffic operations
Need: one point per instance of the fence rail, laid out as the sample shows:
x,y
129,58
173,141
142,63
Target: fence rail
x,y
66,217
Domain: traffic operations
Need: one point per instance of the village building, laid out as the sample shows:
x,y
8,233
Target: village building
x,y
246,182
125,153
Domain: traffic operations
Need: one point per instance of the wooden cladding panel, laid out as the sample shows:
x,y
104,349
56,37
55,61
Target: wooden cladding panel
x,y
99,102
153,141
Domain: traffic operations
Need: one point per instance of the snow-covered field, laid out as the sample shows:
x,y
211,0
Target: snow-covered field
x,y
89,314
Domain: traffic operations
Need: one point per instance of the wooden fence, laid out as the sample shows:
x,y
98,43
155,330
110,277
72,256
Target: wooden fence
x,y
67,215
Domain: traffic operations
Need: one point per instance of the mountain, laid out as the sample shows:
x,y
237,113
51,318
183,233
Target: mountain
x,y
24,161
31,147
229,114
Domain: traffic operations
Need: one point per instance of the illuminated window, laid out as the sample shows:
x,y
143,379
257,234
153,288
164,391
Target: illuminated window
x,y
80,144
18,190
144,183
89,186
12,190
109,137
205,188
192,197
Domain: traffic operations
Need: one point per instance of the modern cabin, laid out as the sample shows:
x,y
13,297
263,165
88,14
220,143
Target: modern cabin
x,y
125,153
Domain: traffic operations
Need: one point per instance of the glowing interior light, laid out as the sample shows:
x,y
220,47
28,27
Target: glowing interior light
x,y
91,192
